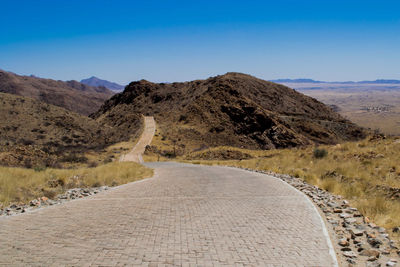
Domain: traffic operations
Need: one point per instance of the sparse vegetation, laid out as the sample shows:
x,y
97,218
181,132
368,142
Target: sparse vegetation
x,y
47,136
320,153
23,185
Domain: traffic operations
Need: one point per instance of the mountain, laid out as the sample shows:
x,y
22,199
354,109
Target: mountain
x,y
94,81
34,131
382,81
71,95
233,109
295,81
379,81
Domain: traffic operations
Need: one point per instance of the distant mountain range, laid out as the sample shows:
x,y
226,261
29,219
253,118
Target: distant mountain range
x,y
71,95
94,81
379,81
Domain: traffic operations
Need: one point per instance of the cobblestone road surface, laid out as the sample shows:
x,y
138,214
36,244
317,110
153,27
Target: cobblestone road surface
x,y
187,215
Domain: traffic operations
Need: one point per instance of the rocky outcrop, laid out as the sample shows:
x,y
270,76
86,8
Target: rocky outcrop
x,y
233,110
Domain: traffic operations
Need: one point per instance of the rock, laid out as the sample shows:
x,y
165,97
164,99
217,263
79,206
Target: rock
x,y
344,215
34,203
351,261
372,225
350,254
370,253
336,210
44,199
385,251
51,202
373,264
372,258
374,242
390,263
381,230
371,235
356,232
396,229
393,245
385,236
349,211
350,220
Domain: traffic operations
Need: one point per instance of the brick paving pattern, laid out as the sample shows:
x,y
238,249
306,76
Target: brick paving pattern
x,y
187,215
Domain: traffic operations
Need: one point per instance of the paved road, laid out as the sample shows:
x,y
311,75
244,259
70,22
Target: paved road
x,y
186,215
145,139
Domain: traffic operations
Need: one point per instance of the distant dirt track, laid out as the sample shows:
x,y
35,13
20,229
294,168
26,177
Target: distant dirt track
x,y
136,153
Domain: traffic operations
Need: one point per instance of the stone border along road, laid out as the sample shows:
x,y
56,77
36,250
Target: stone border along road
x,y
186,215
145,139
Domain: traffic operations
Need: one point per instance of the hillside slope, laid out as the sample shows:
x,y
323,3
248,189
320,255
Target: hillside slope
x,y
233,109
70,95
33,130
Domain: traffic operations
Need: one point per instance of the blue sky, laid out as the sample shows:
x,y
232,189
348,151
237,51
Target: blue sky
x,y
183,40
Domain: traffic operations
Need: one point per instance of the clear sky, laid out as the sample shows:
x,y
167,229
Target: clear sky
x,y
183,40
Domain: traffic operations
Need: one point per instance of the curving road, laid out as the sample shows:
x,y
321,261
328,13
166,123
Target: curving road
x,y
186,215
145,139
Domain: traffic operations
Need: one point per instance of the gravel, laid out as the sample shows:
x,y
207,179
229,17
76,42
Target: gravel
x,y
41,202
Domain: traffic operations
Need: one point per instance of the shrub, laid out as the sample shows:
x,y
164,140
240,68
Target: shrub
x,y
107,160
92,164
39,168
27,163
319,153
27,142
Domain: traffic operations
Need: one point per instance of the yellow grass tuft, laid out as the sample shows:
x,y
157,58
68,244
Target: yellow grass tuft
x,y
22,185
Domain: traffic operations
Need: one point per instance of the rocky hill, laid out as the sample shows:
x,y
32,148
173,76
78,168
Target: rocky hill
x,y
94,81
233,109
71,95
34,131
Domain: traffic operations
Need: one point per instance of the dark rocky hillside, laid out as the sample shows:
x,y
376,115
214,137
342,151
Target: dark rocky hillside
x,y
232,109
71,95
38,133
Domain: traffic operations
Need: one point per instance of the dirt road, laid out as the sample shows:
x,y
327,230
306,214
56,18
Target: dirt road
x,y
145,139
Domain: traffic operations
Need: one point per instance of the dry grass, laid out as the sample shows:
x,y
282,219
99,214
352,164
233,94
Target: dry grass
x,y
23,185
114,152
356,170
109,154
